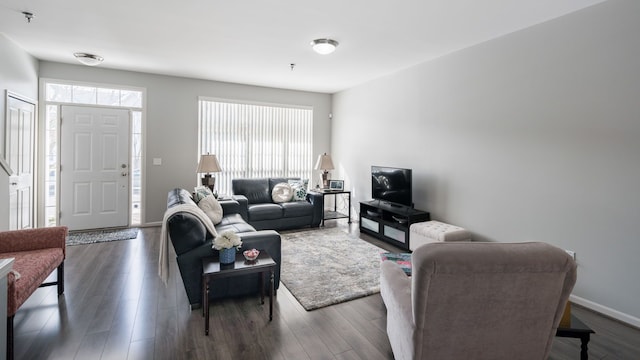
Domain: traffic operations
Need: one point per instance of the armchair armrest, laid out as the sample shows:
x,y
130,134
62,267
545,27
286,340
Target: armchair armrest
x,y
33,239
244,206
395,289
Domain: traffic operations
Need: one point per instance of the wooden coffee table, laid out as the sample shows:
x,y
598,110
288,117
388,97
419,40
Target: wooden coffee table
x,y
577,329
212,269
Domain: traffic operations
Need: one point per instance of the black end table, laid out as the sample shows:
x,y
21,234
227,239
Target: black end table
x,y
212,269
336,213
578,330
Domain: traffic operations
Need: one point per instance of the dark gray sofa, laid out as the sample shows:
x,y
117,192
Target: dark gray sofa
x,y
259,210
192,242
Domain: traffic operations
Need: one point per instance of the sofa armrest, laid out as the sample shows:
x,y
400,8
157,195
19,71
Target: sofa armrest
x,y
34,239
317,199
268,240
263,240
186,232
244,206
230,207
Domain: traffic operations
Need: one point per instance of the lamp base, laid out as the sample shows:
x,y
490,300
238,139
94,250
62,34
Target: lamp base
x,y
325,179
208,181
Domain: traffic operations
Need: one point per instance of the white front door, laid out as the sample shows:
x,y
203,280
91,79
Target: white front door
x,y
20,150
94,167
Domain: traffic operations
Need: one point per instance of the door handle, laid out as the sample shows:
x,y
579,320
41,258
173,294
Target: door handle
x,y
14,183
124,173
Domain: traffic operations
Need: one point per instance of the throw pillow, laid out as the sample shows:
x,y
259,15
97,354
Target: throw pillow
x,y
212,208
201,192
299,189
281,193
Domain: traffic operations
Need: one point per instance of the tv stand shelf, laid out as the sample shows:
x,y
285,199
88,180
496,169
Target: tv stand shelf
x,y
389,222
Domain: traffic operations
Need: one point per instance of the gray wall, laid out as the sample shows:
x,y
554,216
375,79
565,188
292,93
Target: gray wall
x,y
172,121
534,136
18,74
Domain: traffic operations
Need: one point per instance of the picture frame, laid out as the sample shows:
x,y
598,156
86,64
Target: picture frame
x,y
336,185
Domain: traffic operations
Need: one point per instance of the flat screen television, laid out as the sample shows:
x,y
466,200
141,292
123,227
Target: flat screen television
x,y
391,185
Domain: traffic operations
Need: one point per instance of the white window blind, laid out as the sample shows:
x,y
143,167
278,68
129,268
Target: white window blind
x,y
256,140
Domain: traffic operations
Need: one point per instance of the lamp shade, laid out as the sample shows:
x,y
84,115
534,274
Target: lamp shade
x,y
324,162
208,164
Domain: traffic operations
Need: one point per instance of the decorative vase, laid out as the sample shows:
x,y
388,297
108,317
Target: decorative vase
x,y
227,256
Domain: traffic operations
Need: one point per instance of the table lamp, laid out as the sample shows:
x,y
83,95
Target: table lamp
x,y
207,165
325,164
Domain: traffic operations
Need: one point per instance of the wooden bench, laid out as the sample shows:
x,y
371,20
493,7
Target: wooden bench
x,y
37,253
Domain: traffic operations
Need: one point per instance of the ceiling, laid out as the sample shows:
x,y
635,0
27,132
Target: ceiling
x,y
255,41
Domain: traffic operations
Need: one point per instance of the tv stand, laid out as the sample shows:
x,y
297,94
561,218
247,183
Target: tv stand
x,y
389,222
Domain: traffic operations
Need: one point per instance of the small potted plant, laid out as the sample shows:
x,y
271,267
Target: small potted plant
x,y
227,243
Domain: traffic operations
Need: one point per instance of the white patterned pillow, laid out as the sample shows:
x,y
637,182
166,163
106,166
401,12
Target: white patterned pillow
x,y
281,193
201,192
299,188
212,208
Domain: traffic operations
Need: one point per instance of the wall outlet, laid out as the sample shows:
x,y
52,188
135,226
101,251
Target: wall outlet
x,y
571,253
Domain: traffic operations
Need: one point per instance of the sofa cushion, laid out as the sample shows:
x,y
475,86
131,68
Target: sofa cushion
x,y
256,191
281,193
212,208
297,209
270,211
235,223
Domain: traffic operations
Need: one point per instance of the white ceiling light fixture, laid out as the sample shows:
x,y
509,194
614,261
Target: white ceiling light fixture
x,y
324,46
89,59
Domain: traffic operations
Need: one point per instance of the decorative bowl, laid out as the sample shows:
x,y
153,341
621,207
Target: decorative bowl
x,y
251,254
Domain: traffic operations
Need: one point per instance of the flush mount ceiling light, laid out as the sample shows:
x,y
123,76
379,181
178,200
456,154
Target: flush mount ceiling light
x,y
324,46
88,59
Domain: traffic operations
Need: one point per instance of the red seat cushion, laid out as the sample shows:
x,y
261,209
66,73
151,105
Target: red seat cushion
x,y
34,267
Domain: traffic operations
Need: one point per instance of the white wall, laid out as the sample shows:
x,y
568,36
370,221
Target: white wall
x,y
532,136
18,74
172,120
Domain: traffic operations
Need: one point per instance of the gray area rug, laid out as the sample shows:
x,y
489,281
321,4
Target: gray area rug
x,y
96,236
322,267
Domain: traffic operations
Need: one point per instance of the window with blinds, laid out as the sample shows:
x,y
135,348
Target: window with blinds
x,y
256,140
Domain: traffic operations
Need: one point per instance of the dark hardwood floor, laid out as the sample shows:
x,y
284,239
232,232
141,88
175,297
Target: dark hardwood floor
x,y
116,307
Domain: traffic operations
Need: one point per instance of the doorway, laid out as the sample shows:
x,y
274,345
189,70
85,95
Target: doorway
x,y
20,157
58,93
94,167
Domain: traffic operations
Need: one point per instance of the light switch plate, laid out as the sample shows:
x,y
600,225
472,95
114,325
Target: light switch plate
x,y
157,161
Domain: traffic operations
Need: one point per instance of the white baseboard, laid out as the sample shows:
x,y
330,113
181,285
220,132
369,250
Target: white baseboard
x,y
625,318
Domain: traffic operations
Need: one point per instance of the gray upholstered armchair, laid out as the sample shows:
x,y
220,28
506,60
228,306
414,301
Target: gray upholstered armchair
x,y
477,300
